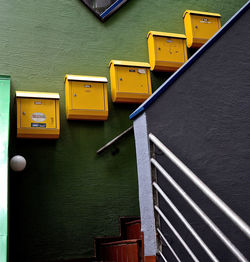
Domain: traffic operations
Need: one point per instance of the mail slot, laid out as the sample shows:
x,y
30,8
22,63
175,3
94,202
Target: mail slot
x,y
86,97
130,81
200,26
167,51
37,115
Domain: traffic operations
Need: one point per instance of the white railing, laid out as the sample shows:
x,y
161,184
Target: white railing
x,y
207,192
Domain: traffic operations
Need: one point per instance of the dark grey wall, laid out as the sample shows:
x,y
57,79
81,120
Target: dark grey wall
x,y
204,118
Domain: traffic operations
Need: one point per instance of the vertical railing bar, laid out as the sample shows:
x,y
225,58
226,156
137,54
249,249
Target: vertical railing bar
x,y
186,223
203,187
199,211
165,260
190,252
169,246
155,196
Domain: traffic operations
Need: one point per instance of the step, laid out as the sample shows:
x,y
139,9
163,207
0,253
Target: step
x,y
133,229
124,222
121,251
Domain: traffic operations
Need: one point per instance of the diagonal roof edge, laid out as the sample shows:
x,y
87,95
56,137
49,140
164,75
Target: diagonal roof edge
x,y
190,61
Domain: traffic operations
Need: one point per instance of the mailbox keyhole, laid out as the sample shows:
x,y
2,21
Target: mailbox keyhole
x,y
24,113
120,79
74,94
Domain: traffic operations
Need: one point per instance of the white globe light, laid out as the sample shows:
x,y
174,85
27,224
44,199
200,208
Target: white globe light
x,y
17,163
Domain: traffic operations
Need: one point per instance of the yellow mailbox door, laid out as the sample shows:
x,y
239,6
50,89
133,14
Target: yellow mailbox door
x,y
132,80
38,113
204,27
170,49
88,96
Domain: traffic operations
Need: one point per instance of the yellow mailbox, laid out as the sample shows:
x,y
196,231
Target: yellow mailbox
x,y
130,81
37,115
167,51
86,97
200,26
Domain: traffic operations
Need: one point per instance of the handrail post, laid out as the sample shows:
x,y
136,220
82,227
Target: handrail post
x,y
155,198
145,187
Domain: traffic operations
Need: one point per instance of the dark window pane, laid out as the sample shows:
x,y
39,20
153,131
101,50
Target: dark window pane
x,y
99,6
104,8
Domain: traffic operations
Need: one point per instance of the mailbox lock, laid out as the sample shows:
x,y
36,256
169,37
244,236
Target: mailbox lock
x,y
24,113
74,94
120,79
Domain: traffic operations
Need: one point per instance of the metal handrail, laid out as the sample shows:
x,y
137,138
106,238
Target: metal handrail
x,y
190,252
114,140
242,225
168,245
164,259
208,192
199,211
186,223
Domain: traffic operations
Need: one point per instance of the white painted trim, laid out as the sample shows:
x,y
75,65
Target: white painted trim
x,y
145,185
26,94
86,78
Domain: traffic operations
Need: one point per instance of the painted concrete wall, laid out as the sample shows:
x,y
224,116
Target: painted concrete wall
x,y
203,118
67,195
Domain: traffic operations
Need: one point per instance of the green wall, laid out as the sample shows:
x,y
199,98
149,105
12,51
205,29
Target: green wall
x,y
68,195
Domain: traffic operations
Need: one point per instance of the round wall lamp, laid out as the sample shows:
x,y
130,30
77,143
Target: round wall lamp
x,y
17,163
